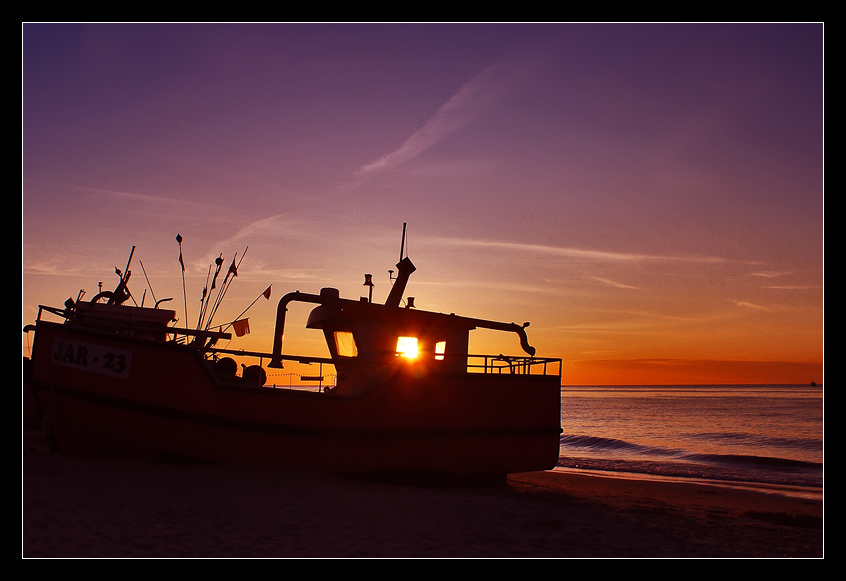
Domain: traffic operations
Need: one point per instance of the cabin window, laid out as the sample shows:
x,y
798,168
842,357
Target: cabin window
x,y
345,344
440,349
407,347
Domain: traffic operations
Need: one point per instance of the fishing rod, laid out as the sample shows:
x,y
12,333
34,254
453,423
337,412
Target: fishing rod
x,y
265,294
182,263
144,270
222,288
233,270
204,300
121,292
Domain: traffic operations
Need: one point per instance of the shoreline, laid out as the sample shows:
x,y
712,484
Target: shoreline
x,y
101,508
805,492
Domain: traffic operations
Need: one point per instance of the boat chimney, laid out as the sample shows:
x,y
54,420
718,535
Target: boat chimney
x,y
404,267
404,270
368,281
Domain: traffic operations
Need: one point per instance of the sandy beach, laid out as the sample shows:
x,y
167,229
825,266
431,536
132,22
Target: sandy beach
x,y
101,508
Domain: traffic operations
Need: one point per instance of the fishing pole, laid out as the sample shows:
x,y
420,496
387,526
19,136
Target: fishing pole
x,y
182,263
121,292
144,270
203,299
233,270
219,262
265,294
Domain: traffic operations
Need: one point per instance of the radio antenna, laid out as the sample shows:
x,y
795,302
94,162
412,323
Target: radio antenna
x,y
402,245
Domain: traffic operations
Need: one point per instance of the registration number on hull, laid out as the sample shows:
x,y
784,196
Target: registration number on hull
x,y
90,357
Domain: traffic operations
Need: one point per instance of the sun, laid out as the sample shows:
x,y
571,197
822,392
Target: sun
x,y
407,347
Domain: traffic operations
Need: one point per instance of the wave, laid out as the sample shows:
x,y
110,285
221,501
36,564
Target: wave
x,y
597,443
602,445
697,471
803,444
763,461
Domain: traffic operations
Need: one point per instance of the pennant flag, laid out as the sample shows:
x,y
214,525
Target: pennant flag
x,y
267,293
241,327
232,269
179,241
218,261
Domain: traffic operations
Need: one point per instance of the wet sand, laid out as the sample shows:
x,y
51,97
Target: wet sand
x,y
100,508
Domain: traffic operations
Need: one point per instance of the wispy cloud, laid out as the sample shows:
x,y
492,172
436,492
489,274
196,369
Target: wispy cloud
x,y
770,273
473,99
580,253
272,226
793,287
615,284
173,206
746,304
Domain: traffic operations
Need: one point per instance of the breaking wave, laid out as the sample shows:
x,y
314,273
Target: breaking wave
x,y
614,455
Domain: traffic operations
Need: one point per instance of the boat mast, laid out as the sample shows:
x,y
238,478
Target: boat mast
x,y
404,269
402,244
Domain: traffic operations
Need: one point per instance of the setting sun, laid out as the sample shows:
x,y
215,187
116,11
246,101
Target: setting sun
x,y
407,347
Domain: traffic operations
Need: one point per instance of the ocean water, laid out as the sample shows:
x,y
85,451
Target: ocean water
x,y
760,435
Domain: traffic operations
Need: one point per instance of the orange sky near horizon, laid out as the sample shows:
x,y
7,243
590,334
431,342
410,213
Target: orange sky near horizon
x,y
649,197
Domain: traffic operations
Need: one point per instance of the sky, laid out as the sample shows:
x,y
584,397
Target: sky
x,y
648,196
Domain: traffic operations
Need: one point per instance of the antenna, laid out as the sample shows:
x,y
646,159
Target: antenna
x,y
405,268
402,245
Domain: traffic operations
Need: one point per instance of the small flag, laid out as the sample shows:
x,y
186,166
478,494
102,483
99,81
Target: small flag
x,y
179,241
218,261
232,269
241,327
267,293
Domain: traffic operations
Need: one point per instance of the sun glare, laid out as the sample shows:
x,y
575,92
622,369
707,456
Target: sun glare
x,y
407,347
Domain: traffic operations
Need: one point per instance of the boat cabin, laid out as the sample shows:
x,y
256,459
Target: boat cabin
x,y
369,342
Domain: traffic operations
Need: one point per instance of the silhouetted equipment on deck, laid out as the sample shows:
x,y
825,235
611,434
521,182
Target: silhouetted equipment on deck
x,y
119,380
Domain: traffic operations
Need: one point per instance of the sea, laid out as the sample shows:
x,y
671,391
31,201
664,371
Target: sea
x,y
761,436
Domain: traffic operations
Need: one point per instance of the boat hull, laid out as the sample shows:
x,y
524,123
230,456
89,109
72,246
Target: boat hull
x,y
121,397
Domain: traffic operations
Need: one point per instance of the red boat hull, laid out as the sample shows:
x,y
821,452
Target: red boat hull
x,y
122,397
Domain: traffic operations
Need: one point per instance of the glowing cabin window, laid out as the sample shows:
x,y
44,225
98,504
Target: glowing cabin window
x,y
345,344
440,349
407,347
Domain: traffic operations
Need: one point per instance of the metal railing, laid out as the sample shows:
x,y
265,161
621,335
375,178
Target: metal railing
x,y
513,365
203,341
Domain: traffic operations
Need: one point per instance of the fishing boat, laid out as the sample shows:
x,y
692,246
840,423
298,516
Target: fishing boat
x,y
117,380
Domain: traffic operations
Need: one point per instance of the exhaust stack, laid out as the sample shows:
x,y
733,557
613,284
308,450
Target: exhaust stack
x,y
404,270
404,267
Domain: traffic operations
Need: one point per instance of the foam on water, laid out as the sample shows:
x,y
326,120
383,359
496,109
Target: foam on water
x,y
753,434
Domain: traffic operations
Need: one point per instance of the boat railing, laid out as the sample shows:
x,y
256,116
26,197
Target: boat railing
x,y
303,360
204,342
64,313
518,365
490,364
175,334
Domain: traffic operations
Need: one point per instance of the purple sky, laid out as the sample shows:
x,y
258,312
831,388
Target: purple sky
x,y
640,193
